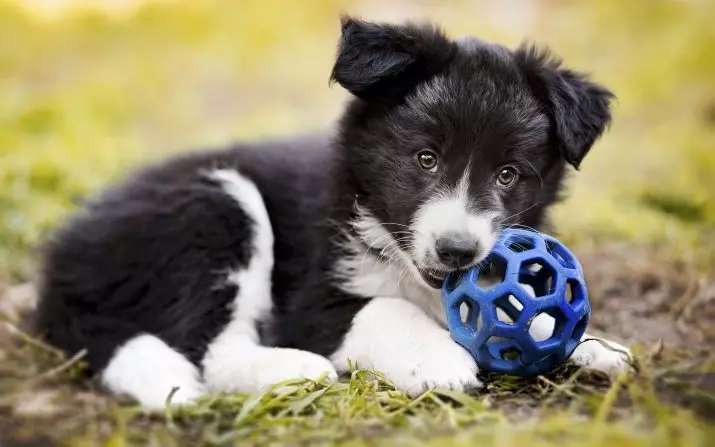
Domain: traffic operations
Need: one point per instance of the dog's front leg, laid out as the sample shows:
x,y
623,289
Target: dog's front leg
x,y
395,337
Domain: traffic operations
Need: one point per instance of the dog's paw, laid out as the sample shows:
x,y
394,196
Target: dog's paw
x,y
603,355
444,365
396,338
283,364
257,369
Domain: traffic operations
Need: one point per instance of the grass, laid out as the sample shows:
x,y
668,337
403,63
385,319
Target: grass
x,y
568,406
86,93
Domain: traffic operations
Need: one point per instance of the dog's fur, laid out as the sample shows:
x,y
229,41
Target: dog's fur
x,y
234,269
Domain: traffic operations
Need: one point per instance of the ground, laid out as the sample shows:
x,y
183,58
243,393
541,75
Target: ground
x,y
86,94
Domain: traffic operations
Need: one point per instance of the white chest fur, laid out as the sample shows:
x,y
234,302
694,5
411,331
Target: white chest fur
x,y
387,274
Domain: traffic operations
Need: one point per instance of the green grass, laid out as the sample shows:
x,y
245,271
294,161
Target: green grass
x,y
569,406
85,95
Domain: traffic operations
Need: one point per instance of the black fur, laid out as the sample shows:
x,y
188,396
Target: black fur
x,y
384,63
579,109
150,255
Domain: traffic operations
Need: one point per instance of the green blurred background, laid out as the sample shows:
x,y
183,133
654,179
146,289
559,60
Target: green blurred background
x,y
88,89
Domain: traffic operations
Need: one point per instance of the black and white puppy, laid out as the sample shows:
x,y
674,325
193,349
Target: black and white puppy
x,y
232,270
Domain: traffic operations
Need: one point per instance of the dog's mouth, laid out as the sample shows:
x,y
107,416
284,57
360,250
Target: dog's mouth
x,y
433,278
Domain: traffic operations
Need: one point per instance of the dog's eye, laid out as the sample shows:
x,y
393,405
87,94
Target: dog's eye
x,y
427,160
507,177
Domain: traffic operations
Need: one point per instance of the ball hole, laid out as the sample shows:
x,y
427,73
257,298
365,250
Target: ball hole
x,y
537,278
469,314
510,354
495,339
560,254
464,311
542,327
492,271
580,328
516,303
547,324
575,292
508,309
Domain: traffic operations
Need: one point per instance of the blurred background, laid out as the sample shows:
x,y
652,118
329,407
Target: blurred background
x,y
91,88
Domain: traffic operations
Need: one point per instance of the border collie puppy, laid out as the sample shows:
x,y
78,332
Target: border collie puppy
x,y
232,270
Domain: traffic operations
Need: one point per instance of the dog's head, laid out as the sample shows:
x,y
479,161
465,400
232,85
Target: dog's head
x,y
449,141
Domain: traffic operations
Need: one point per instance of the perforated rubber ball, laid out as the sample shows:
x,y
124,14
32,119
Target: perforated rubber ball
x,y
524,309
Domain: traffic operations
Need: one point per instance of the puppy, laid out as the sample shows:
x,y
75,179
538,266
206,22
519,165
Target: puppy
x,y
231,270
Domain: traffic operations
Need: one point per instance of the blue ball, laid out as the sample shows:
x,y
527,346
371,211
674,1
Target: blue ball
x,y
533,276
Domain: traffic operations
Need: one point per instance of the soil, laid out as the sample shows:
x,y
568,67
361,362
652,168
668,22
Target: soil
x,y
638,297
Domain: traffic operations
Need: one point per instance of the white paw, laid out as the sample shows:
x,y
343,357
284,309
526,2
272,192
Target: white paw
x,y
596,354
287,364
396,338
147,369
442,365
257,368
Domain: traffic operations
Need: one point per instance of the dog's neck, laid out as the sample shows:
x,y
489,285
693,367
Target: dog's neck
x,y
369,263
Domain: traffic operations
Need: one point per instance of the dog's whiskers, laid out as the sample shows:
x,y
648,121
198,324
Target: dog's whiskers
x,y
520,212
376,241
517,225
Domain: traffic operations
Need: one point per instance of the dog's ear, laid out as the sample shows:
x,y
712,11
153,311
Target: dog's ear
x,y
579,108
385,62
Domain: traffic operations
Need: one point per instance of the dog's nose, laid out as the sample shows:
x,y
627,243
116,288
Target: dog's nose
x,y
456,251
